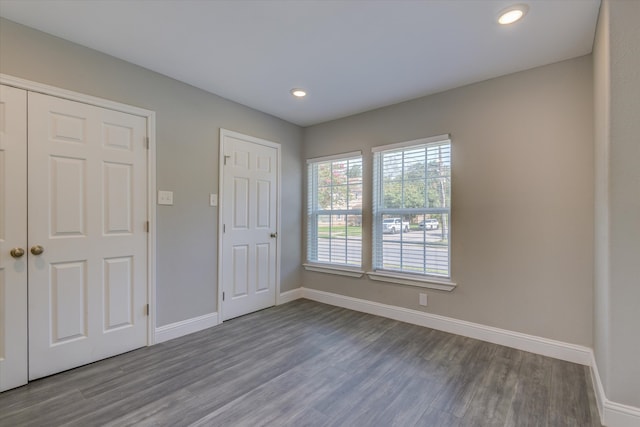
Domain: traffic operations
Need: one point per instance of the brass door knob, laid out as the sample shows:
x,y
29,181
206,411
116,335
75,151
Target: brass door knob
x,y
17,252
37,249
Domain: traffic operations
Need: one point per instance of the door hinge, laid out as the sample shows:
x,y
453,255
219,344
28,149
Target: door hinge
x,y
224,228
225,159
146,226
223,296
146,142
146,310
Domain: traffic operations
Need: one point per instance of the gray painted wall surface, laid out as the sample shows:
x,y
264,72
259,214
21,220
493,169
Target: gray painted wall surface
x,y
617,130
522,198
188,122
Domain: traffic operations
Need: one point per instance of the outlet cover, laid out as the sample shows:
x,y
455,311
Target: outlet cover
x,y
423,299
213,199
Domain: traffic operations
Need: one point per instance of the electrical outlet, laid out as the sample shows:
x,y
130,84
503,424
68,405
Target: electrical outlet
x,y
423,299
213,199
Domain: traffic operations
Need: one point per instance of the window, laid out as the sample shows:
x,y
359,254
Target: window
x,y
334,229
411,207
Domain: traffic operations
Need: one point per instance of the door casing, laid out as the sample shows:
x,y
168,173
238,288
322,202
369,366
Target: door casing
x,y
229,133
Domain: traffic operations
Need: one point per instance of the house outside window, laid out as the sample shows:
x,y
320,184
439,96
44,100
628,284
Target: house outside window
x,y
334,209
412,208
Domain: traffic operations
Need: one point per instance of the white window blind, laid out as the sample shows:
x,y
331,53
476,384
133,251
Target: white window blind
x,y
412,207
334,208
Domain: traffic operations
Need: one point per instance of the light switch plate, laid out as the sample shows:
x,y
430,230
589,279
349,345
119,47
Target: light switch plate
x,y
165,197
213,199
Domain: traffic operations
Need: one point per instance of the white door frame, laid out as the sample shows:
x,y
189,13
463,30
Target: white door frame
x,y
151,172
229,133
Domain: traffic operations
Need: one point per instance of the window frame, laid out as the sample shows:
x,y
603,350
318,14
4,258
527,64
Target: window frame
x,y
311,262
434,281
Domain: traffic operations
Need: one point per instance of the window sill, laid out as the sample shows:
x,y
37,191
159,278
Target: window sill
x,y
331,269
406,279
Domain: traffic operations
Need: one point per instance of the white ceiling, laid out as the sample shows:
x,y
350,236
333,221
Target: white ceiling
x,y
350,55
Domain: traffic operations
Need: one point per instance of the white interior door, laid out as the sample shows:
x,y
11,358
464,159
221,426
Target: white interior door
x,y
87,212
249,206
13,237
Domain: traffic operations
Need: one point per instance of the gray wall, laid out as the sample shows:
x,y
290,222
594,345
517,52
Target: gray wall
x,y
188,122
617,141
522,198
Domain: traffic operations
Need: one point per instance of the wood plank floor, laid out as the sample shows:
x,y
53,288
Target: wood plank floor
x,y
310,364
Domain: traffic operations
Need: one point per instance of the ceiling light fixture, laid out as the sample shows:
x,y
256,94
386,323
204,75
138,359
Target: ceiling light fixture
x,y
298,93
512,14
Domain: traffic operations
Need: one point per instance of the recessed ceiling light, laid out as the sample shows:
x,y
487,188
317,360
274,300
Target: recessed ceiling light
x,y
299,93
512,14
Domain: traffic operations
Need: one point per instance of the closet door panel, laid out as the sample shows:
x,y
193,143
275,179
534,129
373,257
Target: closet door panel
x,y
87,210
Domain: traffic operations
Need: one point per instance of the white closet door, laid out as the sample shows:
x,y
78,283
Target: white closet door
x,y
87,213
13,237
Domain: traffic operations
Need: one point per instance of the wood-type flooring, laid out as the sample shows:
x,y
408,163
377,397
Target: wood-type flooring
x,y
310,364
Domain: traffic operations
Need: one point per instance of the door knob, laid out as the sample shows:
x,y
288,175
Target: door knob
x,y
17,252
274,235
37,249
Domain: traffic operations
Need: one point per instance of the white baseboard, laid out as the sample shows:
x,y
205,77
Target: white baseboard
x,y
185,327
619,415
546,347
612,414
291,295
597,387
